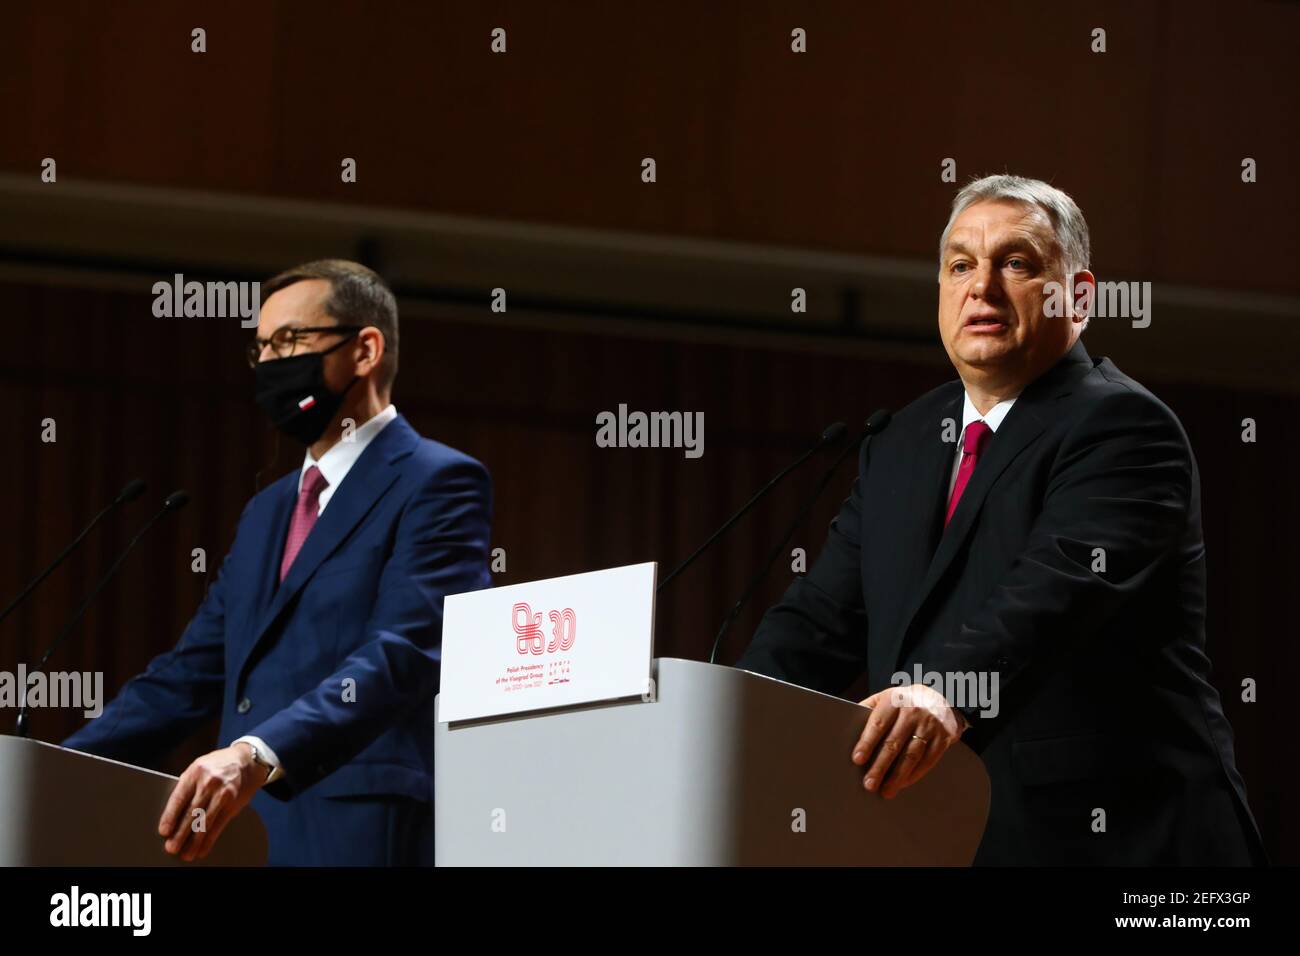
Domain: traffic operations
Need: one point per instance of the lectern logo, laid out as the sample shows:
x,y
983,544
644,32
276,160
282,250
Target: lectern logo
x,y
529,637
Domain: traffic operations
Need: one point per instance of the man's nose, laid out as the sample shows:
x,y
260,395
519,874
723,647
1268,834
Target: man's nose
x,y
987,282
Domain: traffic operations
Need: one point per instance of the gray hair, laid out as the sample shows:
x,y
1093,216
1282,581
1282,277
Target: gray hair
x,y
1067,221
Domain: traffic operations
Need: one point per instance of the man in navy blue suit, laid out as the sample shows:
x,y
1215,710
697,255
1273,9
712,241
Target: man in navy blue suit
x,y
319,643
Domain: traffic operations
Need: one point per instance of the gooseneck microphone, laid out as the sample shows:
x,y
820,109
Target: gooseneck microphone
x,y
874,425
830,436
134,489
174,502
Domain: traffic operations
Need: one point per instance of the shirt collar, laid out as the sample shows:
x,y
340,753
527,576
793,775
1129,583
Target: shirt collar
x,y
993,419
335,464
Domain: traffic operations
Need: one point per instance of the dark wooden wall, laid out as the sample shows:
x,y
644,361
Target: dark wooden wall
x,y
839,148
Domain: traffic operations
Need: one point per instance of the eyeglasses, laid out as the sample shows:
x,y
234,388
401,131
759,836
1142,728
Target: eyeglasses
x,y
284,340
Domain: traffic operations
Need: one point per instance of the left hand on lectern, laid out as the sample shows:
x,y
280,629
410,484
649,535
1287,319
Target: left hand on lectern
x,y
220,784
899,716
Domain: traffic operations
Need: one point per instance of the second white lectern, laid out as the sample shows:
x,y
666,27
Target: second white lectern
x,y
722,767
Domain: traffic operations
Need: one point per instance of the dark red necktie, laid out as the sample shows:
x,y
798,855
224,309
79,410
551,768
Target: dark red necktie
x,y
304,516
973,443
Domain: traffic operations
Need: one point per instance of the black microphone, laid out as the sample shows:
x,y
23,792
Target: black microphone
x,y
830,436
874,426
134,489
174,502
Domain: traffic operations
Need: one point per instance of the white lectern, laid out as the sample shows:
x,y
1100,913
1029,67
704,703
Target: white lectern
x,y
722,767
60,807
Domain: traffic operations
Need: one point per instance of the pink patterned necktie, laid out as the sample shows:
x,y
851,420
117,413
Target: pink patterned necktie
x,y
304,516
973,442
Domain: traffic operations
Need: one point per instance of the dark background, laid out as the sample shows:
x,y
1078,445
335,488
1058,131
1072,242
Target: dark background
x,y
523,171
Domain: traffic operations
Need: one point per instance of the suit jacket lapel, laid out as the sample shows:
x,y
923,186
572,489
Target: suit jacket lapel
x,y
935,464
281,514
1026,421
910,521
366,483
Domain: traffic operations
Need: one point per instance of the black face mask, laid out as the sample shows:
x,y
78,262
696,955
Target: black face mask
x,y
293,393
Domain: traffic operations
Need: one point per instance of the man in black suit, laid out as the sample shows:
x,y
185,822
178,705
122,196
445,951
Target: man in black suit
x,y
1033,530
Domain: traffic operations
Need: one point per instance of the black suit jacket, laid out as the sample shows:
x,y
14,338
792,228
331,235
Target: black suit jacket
x,y
1104,695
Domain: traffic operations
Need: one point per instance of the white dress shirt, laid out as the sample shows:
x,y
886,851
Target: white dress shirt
x,y
334,465
970,414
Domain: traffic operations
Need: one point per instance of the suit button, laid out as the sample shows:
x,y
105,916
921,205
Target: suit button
x,y
1003,662
244,706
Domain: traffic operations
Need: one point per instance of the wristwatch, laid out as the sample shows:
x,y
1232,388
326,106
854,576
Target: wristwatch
x,y
272,771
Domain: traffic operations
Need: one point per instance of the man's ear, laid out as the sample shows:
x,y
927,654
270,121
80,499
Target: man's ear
x,y
370,349
1083,295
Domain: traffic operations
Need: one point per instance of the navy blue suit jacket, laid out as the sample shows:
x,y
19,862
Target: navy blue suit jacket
x,y
335,667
